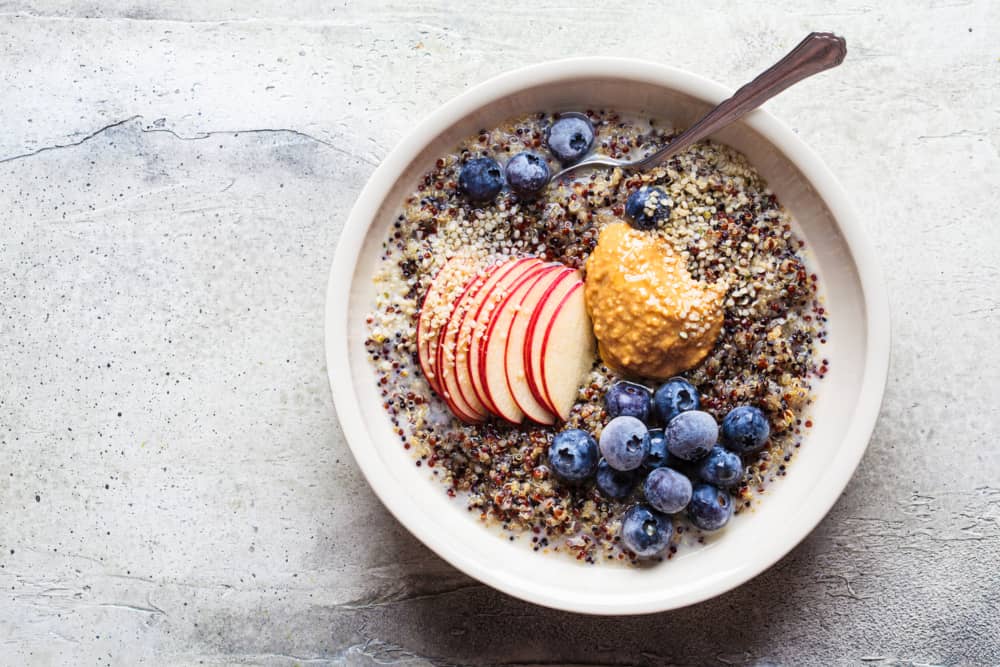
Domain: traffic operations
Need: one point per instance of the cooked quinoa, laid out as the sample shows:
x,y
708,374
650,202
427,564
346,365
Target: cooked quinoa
x,y
725,223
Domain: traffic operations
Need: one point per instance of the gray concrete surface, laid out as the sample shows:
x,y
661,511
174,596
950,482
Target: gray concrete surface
x,y
174,488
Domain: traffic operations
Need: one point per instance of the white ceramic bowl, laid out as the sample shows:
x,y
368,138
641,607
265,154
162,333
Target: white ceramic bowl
x,y
848,399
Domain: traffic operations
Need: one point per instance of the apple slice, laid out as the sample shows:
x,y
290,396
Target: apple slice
x,y
493,355
478,317
567,352
463,320
515,369
435,311
537,325
447,363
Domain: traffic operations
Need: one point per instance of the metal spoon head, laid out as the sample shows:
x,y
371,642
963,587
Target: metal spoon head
x,y
592,161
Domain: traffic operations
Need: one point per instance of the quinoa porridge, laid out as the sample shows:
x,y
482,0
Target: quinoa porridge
x,y
471,228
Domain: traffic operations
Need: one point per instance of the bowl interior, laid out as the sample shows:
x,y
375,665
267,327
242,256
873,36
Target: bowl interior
x,y
753,540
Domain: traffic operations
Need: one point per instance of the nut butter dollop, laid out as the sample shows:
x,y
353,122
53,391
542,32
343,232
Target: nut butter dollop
x,y
650,317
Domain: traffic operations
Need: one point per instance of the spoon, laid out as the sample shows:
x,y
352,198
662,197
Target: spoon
x,y
819,51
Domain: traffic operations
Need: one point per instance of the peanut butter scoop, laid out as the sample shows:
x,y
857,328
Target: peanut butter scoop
x,y
650,317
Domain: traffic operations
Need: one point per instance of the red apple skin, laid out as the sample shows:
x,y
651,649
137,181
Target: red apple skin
x,y
456,410
475,359
524,283
425,357
446,395
465,389
564,415
453,395
537,413
541,320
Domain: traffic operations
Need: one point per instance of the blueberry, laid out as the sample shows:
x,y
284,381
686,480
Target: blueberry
x,y
648,207
570,137
527,173
721,467
710,507
745,429
629,399
481,179
690,435
673,397
573,455
658,455
667,490
645,531
625,443
613,483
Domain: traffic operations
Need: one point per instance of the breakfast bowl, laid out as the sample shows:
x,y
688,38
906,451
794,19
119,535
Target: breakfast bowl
x,y
844,409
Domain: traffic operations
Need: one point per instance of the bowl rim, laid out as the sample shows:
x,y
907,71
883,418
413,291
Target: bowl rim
x,y
382,180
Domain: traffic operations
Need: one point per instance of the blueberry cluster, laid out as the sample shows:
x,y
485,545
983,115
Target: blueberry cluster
x,y
684,460
569,139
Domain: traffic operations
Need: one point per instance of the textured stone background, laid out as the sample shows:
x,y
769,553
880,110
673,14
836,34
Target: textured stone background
x,y
174,488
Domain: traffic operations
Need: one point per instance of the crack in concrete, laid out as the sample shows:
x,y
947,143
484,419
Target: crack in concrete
x,y
398,598
196,137
265,130
952,135
387,653
55,147
151,609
